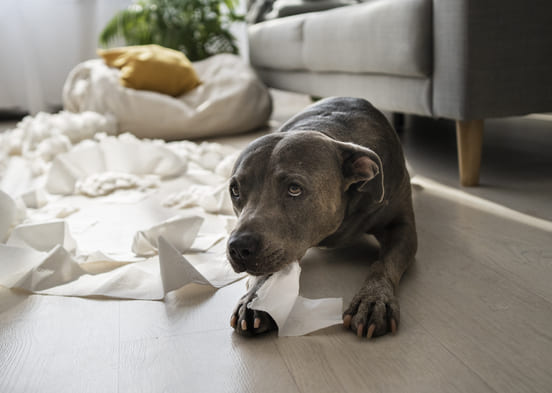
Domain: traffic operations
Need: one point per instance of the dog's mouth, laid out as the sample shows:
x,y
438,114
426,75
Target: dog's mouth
x,y
260,272
263,264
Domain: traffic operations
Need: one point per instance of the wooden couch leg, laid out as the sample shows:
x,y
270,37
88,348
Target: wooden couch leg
x,y
469,137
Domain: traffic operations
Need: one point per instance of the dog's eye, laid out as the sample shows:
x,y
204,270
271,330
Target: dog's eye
x,y
234,191
294,190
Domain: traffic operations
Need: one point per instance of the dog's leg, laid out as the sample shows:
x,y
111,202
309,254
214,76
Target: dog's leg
x,y
249,322
374,310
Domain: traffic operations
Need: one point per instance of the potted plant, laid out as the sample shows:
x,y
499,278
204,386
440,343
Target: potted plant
x,y
199,28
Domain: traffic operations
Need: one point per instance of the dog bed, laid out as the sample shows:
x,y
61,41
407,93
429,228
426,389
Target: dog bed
x,y
230,99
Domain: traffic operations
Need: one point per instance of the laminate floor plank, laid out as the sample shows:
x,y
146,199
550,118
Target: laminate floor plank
x,y
212,361
495,323
411,361
521,252
191,309
58,344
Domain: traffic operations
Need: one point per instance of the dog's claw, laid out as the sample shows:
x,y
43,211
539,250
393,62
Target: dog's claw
x,y
374,311
393,326
347,320
370,331
248,322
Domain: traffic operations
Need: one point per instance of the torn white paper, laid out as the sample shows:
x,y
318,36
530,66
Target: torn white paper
x,y
124,242
309,315
214,266
56,272
101,184
36,140
43,237
33,270
214,200
294,314
119,155
139,280
111,227
10,215
174,267
178,231
202,268
210,156
35,198
278,294
53,211
34,130
204,242
17,177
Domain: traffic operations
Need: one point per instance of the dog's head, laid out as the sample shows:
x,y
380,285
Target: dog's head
x,y
289,191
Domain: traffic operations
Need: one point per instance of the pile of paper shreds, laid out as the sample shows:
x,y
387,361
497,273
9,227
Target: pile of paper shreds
x,y
85,213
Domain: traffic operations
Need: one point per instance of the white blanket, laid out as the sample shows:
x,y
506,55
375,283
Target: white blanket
x,y
230,100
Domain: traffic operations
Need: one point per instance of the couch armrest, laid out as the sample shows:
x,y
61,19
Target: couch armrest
x,y
492,58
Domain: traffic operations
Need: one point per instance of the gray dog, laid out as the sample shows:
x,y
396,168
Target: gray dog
x,y
333,172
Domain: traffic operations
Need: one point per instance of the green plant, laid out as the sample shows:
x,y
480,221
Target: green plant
x,y
199,28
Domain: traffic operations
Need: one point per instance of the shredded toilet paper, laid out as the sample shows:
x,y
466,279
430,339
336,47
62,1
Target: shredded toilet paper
x,y
100,184
180,232
43,237
10,215
111,164
294,314
85,213
41,258
214,200
40,138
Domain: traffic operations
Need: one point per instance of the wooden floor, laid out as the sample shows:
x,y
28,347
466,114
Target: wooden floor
x,y
476,317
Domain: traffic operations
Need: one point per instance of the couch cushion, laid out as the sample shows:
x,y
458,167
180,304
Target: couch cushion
x,y
381,36
277,43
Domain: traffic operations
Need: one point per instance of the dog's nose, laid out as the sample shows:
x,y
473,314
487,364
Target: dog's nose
x,y
243,247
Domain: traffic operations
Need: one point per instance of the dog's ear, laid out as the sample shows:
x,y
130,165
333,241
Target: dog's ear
x,y
363,167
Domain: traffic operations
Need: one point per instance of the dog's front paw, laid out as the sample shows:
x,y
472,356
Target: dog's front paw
x,y
249,322
374,311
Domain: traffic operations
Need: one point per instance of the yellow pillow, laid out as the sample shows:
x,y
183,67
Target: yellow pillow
x,y
152,67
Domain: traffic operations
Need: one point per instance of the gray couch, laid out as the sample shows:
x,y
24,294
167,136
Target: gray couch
x,y
466,60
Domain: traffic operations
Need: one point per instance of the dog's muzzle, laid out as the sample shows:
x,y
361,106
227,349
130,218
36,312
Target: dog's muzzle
x,y
243,250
